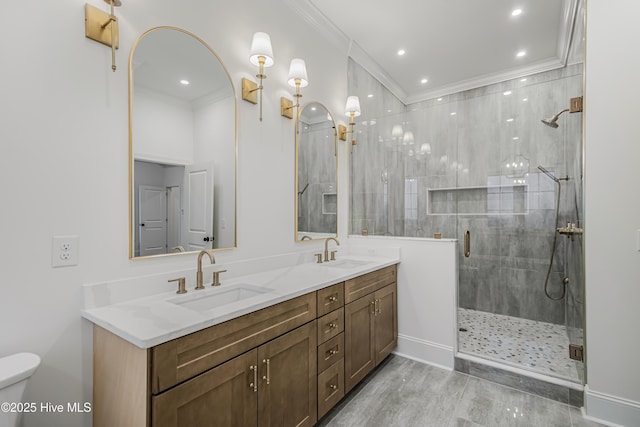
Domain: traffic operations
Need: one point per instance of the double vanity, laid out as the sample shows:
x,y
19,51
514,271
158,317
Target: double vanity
x,y
276,347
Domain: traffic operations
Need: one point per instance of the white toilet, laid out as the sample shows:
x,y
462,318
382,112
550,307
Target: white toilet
x,y
15,370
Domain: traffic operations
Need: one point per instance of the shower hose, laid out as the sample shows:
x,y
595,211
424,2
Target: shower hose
x,y
553,252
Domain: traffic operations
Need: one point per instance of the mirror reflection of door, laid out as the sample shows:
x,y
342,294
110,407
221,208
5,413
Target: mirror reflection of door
x,y
198,204
152,225
183,140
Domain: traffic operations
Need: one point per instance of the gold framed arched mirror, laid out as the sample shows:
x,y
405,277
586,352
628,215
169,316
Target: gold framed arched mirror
x,y
316,173
182,146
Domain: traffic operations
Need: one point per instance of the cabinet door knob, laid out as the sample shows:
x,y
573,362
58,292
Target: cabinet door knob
x,y
333,387
333,298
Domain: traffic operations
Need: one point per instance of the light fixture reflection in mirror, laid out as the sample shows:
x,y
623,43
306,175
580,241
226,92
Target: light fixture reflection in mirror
x,y
316,174
182,146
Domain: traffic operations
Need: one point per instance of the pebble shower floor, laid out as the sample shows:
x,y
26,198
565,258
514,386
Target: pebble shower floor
x,y
536,346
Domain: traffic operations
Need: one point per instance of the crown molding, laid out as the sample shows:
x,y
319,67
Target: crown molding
x,y
318,20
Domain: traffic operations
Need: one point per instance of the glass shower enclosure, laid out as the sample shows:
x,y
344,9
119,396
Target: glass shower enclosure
x,y
481,164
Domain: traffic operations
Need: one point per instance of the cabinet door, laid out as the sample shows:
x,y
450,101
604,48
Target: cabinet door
x,y
287,390
358,340
223,396
386,322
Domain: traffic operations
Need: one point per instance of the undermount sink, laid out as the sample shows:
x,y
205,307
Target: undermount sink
x,y
218,297
345,263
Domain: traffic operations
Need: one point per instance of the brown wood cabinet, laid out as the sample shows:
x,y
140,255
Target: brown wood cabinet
x,y
371,323
285,365
273,385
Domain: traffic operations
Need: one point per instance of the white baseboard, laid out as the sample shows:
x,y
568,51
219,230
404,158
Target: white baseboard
x,y
610,410
425,351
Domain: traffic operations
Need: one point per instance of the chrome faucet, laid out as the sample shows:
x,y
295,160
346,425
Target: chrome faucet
x,y
326,248
209,253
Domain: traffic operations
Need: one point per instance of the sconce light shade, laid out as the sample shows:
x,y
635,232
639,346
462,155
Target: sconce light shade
x,y
425,148
261,46
298,70
408,137
397,131
353,106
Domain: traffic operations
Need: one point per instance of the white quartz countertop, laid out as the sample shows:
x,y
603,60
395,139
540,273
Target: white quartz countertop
x,y
155,319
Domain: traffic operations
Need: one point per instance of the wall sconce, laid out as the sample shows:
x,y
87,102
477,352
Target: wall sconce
x,y
352,110
297,78
103,28
262,56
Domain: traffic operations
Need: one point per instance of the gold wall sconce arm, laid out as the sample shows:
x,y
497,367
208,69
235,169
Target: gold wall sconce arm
x,y
298,79
262,56
103,27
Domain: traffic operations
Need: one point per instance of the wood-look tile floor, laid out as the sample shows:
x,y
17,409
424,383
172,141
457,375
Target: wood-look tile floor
x,y
402,392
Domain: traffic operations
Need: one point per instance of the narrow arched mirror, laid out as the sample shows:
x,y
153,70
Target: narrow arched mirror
x,y
183,122
316,173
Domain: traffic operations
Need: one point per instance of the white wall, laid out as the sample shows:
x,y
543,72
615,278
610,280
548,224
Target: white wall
x,y
612,211
162,128
64,136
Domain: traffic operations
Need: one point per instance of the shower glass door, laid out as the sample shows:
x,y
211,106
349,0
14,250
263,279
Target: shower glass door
x,y
508,207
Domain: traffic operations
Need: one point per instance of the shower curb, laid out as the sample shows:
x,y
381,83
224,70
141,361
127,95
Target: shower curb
x,y
559,393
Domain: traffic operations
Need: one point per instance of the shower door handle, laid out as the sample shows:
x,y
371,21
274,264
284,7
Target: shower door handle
x,y
467,243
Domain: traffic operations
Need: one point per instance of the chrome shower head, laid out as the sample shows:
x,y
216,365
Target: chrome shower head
x,y
553,121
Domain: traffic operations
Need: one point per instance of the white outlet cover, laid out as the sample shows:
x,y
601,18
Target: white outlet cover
x,y
64,251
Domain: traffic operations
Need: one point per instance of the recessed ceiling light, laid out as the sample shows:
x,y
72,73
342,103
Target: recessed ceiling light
x,y
313,108
184,82
423,81
439,99
452,114
509,120
523,80
525,99
401,52
516,12
370,95
521,54
515,138
507,93
388,111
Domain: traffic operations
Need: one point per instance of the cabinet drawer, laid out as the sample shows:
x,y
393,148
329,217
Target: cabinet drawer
x,y
330,352
330,387
368,283
330,298
330,325
178,360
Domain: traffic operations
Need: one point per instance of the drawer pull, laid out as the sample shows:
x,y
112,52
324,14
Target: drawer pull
x,y
377,306
373,307
268,376
331,353
254,384
333,298
333,387
332,325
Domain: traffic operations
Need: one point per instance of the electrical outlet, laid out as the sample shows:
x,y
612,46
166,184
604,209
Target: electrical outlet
x,y
64,251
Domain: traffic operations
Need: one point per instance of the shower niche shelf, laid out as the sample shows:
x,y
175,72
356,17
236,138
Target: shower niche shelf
x,y
481,200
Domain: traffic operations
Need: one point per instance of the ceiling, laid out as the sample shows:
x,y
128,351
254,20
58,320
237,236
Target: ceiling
x,y
454,44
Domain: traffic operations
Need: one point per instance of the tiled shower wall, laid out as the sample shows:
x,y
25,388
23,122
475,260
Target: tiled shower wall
x,y
469,161
317,205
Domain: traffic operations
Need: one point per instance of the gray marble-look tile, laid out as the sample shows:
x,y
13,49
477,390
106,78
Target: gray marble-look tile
x,y
490,404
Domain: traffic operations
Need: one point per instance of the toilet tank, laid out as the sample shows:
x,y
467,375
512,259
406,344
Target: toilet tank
x,y
15,370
